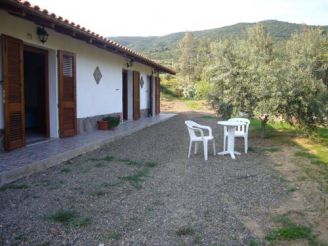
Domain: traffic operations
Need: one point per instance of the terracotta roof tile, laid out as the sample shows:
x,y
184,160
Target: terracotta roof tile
x,y
46,14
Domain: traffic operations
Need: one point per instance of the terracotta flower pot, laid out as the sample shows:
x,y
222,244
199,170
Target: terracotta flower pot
x,y
102,124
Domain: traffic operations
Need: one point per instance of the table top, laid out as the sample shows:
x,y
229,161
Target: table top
x,y
230,123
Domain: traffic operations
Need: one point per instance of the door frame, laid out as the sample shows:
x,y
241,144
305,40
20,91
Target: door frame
x,y
43,52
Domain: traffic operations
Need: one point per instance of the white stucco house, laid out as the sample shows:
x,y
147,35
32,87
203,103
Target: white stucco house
x,y
57,78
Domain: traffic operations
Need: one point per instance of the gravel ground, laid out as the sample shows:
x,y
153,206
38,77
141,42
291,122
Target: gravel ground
x,y
142,190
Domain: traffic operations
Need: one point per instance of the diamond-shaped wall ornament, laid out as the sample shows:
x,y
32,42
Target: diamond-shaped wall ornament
x,y
141,81
97,75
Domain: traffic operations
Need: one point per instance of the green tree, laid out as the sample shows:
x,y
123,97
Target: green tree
x,y
287,80
188,56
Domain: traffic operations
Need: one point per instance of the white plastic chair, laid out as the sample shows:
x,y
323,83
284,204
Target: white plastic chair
x,y
194,128
241,131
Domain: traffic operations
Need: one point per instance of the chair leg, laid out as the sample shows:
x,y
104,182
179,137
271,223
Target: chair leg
x,y
224,143
214,150
190,145
196,147
246,143
205,150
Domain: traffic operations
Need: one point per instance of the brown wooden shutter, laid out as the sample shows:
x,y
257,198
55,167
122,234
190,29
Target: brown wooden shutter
x,y
13,93
158,95
150,107
67,93
136,95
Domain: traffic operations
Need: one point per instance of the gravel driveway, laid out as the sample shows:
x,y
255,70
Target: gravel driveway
x,y
142,190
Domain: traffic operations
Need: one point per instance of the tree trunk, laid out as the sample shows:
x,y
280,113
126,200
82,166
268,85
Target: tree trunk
x,y
264,119
263,123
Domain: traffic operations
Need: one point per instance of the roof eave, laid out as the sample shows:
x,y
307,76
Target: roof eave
x,y
43,17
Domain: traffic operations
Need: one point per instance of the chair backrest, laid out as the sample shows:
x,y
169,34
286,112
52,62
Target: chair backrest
x,y
190,126
243,128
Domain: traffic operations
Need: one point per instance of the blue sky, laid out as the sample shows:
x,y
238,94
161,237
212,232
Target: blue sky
x,y
153,17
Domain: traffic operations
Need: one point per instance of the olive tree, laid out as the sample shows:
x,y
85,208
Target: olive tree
x,y
286,80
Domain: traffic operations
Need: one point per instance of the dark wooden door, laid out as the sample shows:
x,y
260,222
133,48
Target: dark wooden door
x,y
136,95
125,94
13,93
150,107
157,95
67,93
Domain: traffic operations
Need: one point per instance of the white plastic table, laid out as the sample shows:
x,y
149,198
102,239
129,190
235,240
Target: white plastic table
x,y
231,127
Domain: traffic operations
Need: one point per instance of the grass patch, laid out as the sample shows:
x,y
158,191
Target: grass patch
x,y
252,242
130,162
314,148
69,218
251,149
319,174
14,187
44,183
185,231
98,193
106,158
100,164
305,154
21,237
108,185
209,117
192,104
65,170
290,231
112,235
272,128
167,92
292,189
136,180
151,164
272,149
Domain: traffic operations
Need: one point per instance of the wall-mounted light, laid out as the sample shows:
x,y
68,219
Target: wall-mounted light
x,y
42,33
129,63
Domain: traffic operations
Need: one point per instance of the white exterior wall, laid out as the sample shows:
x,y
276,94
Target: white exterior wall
x,y
92,99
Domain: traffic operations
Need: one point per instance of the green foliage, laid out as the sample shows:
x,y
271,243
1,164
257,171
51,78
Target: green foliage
x,y
252,75
272,68
166,48
203,88
113,121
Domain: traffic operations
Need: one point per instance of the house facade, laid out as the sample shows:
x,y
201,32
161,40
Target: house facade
x,y
58,79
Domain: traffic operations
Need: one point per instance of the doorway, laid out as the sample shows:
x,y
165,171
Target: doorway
x,y
36,94
150,98
125,94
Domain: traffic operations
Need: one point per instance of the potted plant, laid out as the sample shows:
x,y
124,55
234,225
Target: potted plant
x,y
102,124
112,121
